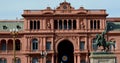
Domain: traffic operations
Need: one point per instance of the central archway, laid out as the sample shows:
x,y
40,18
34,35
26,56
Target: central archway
x,y
65,52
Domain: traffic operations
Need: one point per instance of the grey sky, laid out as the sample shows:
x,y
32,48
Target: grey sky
x,y
10,9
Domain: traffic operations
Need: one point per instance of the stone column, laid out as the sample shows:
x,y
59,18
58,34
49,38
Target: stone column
x,y
44,43
72,23
29,44
41,61
28,25
78,43
44,60
33,24
52,58
39,44
87,60
52,44
44,24
62,24
86,43
78,23
75,58
78,58
28,59
51,22
25,23
58,24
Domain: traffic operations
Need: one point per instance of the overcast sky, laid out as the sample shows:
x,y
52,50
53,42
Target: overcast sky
x,y
10,9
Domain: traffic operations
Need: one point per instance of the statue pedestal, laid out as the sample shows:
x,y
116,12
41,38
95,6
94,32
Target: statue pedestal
x,y
102,57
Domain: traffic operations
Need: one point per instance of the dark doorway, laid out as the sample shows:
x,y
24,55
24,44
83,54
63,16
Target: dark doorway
x,y
65,52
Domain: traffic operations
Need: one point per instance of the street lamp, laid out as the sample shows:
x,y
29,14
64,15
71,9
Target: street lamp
x,y
43,55
14,33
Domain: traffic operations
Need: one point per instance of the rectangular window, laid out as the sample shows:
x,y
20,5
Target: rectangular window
x,y
48,61
55,24
48,45
74,24
82,61
82,45
94,47
91,24
98,24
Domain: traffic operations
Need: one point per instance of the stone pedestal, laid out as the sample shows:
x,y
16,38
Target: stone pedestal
x,y
102,57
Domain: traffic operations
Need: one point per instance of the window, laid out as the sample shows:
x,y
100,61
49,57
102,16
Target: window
x,y
31,25
18,27
69,24
98,24
34,60
4,27
94,46
3,45
91,24
3,60
60,24
55,24
65,24
48,45
38,25
82,61
17,45
74,24
34,44
82,45
34,25
18,60
48,61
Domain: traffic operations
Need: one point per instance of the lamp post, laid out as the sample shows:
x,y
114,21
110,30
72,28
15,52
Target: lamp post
x,y
43,55
14,33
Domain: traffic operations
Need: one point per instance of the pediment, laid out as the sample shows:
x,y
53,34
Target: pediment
x,y
64,6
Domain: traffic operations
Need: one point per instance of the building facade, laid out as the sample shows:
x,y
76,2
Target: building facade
x,y
61,35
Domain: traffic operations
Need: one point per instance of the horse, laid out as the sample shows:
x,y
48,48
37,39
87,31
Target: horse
x,y
100,41
109,44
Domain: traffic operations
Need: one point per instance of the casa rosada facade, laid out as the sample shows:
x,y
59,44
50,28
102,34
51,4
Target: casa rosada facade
x,y
61,35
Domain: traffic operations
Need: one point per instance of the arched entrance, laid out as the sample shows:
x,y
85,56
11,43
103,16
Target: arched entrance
x,y
65,52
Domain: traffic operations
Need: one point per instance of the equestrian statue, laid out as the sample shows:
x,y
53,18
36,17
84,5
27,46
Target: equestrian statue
x,y
101,41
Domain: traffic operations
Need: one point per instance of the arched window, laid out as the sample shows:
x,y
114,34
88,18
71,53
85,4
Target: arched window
x,y
17,45
3,45
60,24
65,24
69,24
34,60
2,60
74,24
34,44
10,44
34,25
31,25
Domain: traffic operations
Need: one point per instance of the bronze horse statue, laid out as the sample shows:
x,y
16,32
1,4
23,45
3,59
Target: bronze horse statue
x,y
100,41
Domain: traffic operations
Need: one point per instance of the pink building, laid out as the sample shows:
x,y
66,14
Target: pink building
x,y
61,35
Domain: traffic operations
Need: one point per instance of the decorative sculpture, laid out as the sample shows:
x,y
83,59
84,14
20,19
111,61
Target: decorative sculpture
x,y
101,41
